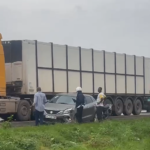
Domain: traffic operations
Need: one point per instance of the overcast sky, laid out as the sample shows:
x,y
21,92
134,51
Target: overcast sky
x,y
112,25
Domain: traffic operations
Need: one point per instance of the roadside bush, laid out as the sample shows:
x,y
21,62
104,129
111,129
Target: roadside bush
x,y
109,135
7,124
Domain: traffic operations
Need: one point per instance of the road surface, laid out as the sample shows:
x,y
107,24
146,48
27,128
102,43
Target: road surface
x,y
122,117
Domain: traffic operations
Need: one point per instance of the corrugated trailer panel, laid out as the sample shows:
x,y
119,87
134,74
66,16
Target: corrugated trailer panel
x,y
110,83
98,81
130,84
120,84
59,62
86,65
86,59
139,65
109,62
120,63
74,65
139,70
139,85
60,81
73,80
44,54
147,75
73,58
98,58
130,64
87,82
59,56
113,84
45,80
60,68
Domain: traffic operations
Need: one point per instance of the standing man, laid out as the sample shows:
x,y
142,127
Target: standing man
x,y
100,103
79,104
39,103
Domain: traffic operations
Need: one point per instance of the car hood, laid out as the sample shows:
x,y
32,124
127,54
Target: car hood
x,y
58,107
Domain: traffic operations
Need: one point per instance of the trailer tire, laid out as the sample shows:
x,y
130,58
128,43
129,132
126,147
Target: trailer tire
x,y
108,101
137,107
128,107
118,107
24,111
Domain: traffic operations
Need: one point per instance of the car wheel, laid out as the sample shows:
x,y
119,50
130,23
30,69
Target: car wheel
x,y
94,118
74,120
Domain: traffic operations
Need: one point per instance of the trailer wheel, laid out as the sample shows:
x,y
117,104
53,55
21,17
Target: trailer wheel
x,y
108,101
24,111
137,107
118,107
128,107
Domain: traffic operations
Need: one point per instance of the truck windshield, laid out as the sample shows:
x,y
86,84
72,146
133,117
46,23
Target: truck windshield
x,y
63,99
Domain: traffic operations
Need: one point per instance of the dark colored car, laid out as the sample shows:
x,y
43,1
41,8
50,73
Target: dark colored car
x,y
61,108
146,105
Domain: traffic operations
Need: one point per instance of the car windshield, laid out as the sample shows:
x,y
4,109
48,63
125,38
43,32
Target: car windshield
x,y
62,99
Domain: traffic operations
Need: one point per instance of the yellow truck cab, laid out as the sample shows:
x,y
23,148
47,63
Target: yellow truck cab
x,y
2,71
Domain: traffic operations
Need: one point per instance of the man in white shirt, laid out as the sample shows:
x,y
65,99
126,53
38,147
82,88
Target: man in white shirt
x,y
100,103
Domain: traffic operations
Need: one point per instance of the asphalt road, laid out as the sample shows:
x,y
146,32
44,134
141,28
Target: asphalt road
x,y
122,117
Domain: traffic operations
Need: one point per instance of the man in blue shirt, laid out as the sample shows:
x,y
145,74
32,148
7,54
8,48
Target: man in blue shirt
x,y
39,103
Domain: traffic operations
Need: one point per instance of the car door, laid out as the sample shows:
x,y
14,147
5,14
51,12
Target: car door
x,y
89,109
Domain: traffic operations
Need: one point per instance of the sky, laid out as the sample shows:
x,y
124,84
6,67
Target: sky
x,y
121,26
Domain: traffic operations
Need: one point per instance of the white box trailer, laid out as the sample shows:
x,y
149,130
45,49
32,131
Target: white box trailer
x,y
125,79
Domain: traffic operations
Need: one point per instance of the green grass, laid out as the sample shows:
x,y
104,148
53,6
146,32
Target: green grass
x,y
109,135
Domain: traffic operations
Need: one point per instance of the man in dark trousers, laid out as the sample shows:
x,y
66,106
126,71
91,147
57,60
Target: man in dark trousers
x,y
79,104
100,103
39,103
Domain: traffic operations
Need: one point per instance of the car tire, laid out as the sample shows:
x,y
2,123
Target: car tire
x,y
94,118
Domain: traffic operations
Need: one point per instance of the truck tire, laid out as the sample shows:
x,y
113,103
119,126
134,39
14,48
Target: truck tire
x,y
128,107
137,107
108,101
24,111
118,107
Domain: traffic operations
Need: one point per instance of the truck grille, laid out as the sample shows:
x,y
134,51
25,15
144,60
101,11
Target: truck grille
x,y
51,111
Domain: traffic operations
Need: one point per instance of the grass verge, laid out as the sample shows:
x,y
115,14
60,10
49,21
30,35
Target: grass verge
x,y
109,135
